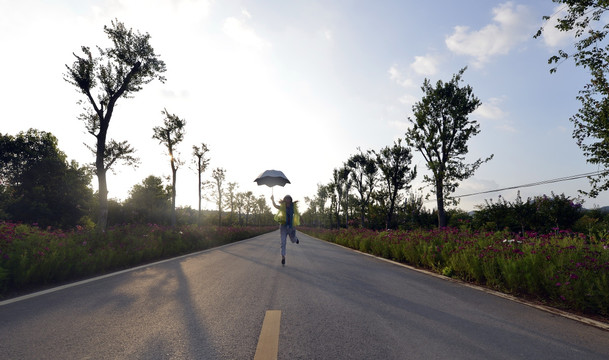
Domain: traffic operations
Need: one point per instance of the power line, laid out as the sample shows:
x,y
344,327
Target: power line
x,y
566,178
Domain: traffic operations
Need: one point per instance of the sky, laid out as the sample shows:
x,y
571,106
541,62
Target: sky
x,y
300,86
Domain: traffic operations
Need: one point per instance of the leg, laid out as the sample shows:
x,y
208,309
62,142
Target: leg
x,y
284,235
293,238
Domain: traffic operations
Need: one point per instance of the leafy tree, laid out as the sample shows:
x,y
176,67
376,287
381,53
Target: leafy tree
x,y
347,183
39,185
219,175
240,207
316,212
523,213
556,211
333,211
440,131
201,162
264,211
323,194
394,165
5,200
118,71
171,134
250,204
363,175
312,211
592,53
148,202
231,195
340,186
495,215
414,212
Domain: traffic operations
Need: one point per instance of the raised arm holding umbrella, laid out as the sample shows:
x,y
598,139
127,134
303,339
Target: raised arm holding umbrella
x,y
288,215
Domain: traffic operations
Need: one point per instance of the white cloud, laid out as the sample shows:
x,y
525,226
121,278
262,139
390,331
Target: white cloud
x,y
401,126
327,34
408,100
477,185
243,34
425,65
505,127
491,109
512,25
140,15
553,37
396,75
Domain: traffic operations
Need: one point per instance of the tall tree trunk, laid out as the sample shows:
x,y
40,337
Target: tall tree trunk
x,y
362,215
440,201
102,220
219,208
199,193
390,212
347,210
173,194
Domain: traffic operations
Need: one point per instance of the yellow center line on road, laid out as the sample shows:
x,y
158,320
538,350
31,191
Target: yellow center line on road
x,y
268,342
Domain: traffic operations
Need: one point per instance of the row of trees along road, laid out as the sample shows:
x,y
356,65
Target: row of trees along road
x,y
39,186
121,71
440,127
440,130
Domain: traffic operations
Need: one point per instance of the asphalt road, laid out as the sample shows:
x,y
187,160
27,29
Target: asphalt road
x,y
327,302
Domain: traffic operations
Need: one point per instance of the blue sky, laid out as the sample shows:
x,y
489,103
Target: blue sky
x,y
298,86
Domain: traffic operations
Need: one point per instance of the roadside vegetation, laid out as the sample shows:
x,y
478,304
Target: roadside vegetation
x,y
562,269
32,258
547,248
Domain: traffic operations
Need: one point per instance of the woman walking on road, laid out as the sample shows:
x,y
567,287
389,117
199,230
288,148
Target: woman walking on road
x,y
287,217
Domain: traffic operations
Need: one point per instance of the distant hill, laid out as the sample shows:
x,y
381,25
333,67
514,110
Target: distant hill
x,y
604,209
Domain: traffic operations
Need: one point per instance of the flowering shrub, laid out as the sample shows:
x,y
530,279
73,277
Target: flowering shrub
x,y
31,257
563,269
